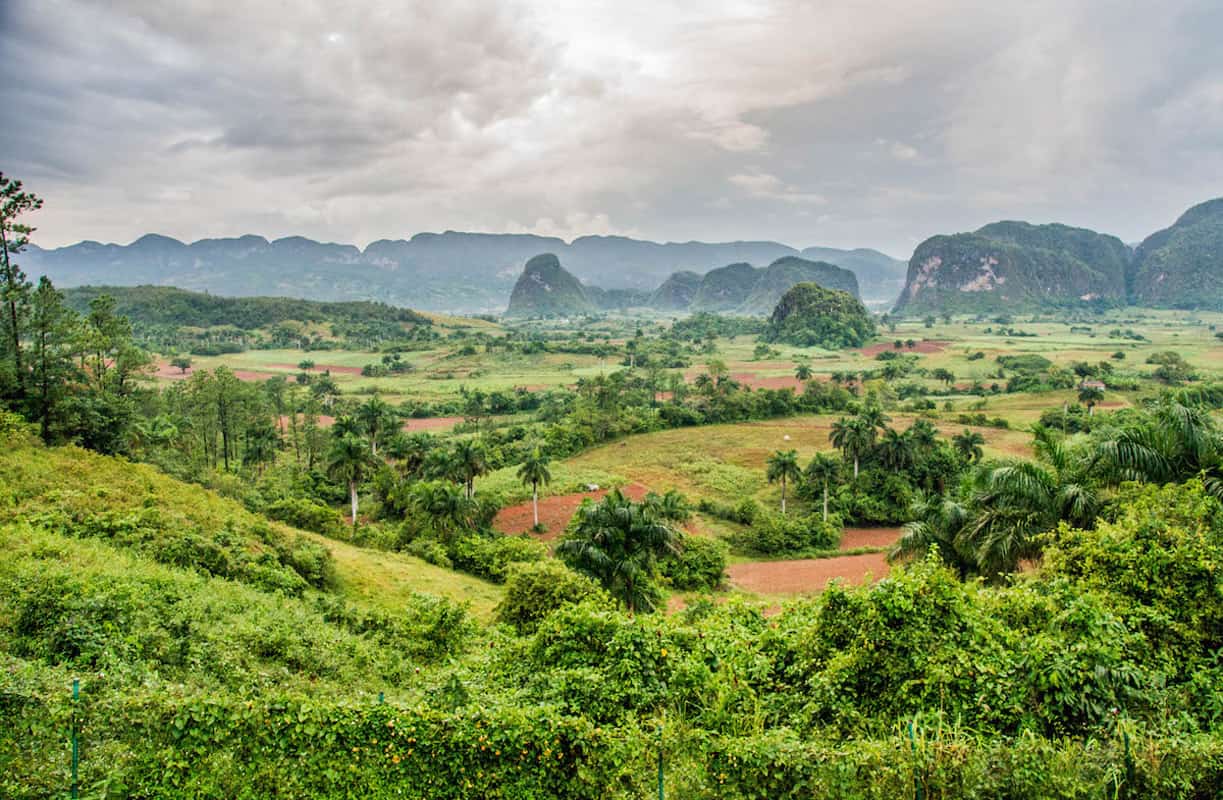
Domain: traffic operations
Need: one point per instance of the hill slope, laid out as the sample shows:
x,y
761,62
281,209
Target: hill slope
x,y
1008,266
546,289
167,305
810,315
1182,266
676,292
778,277
880,277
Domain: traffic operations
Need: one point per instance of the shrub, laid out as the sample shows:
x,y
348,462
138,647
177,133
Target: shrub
x,y
700,564
307,515
534,590
490,555
778,534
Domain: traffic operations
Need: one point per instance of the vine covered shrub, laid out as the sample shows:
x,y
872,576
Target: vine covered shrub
x,y
307,515
700,564
779,534
536,589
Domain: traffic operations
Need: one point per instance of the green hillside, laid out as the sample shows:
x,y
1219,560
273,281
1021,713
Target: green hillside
x,y
1182,266
1010,266
777,278
546,289
809,315
677,292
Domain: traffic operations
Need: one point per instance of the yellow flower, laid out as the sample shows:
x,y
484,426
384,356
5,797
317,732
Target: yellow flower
x,y
664,652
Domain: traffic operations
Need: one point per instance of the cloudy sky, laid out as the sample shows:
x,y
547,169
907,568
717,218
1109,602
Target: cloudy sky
x,y
838,123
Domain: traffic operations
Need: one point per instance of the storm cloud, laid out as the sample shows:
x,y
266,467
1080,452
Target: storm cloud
x,y
833,123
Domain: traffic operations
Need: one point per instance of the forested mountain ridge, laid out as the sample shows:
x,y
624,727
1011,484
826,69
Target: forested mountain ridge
x,y
451,271
1009,265
1182,266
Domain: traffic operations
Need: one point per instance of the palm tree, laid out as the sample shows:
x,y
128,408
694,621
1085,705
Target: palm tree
x,y
445,505
936,522
617,542
895,450
822,470
1089,396
874,416
783,467
968,444
377,418
853,436
803,372
349,460
347,425
923,434
534,471
1170,442
469,463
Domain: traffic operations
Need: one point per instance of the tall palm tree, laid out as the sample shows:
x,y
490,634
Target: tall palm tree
x,y
783,467
378,419
469,463
822,470
618,542
1171,441
968,444
347,425
444,504
936,521
895,450
1089,396
349,460
803,372
874,416
854,437
923,434
534,471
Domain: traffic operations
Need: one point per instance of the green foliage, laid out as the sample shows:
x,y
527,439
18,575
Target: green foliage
x,y
699,564
546,289
809,315
491,556
306,515
534,590
780,534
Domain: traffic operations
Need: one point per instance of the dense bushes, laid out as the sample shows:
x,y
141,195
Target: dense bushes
x,y
535,590
773,534
700,564
306,515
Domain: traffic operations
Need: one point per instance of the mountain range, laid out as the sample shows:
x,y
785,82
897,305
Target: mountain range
x,y
1009,266
451,271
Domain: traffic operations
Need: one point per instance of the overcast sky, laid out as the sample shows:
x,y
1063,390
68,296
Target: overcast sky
x,y
835,123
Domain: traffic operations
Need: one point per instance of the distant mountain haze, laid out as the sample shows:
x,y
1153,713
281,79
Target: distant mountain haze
x,y
451,271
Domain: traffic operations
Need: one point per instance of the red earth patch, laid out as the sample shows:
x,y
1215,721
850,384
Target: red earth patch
x,y
554,512
925,347
806,576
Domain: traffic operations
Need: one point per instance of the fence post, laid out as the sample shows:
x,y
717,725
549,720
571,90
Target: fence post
x,y
76,694
918,792
661,791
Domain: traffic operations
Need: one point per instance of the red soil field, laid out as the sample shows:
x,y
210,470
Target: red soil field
x,y
805,576
925,347
430,423
808,575
554,512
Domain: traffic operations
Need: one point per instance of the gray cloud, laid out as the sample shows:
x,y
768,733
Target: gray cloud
x,y
845,124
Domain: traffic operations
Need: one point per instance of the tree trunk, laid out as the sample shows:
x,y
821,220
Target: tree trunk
x,y
12,309
855,468
783,495
535,502
825,501
352,493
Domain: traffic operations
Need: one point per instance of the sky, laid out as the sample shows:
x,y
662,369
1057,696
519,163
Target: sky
x,y
846,124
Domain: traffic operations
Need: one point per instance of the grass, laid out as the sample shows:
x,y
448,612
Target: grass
x,y
386,580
